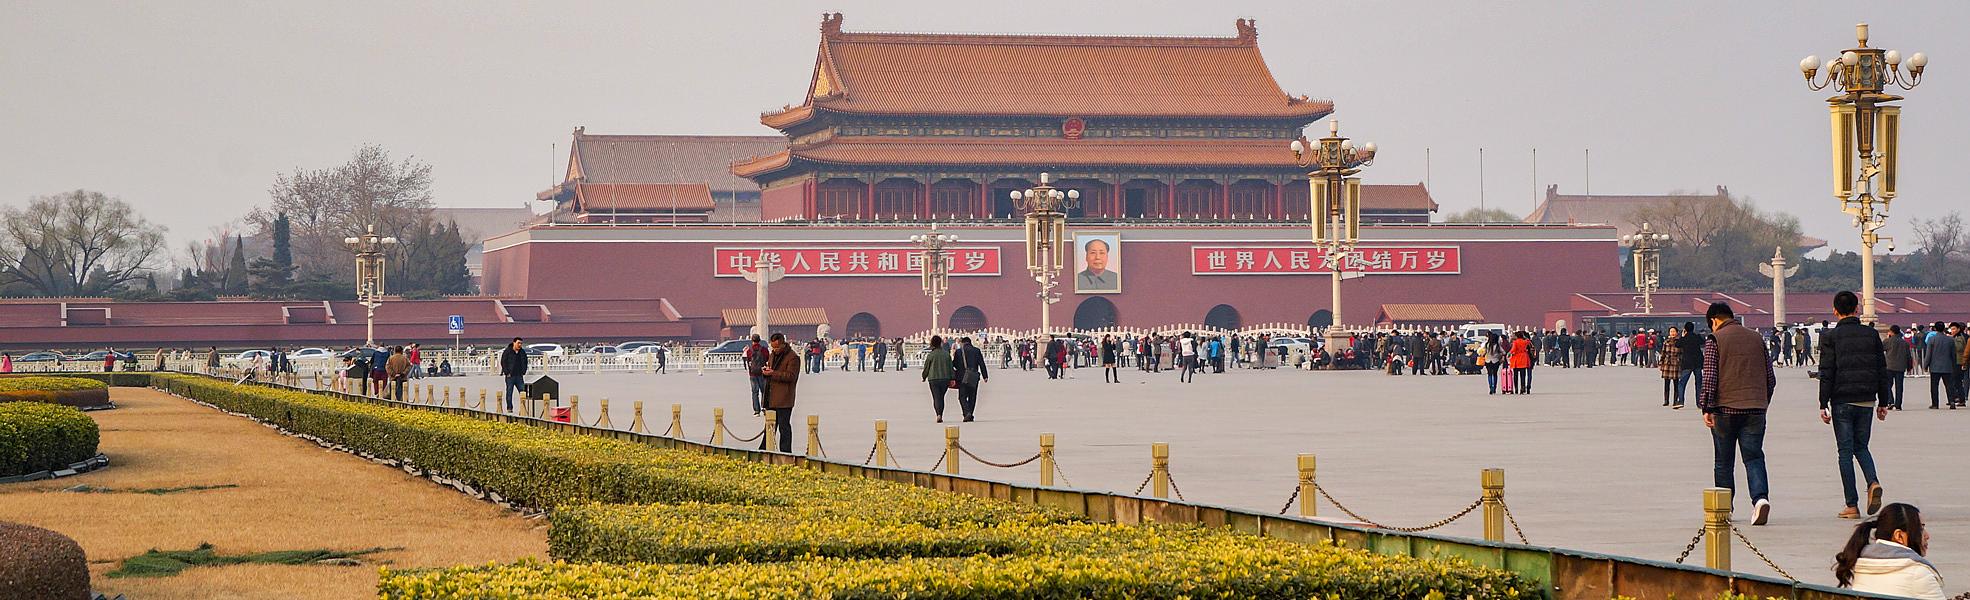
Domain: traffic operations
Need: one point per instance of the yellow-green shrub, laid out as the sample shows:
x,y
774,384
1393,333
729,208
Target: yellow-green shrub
x,y
42,437
52,384
549,469
710,533
1173,563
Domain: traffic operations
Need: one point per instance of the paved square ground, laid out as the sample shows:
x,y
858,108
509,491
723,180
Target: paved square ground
x,y
1592,460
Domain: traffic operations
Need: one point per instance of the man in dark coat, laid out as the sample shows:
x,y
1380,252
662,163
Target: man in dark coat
x,y
782,372
513,366
970,363
1942,366
1854,386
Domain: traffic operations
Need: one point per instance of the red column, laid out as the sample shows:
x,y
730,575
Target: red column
x,y
923,200
1115,199
982,205
868,204
1275,206
1224,201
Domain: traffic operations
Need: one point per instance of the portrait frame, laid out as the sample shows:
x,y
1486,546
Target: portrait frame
x,y
1111,242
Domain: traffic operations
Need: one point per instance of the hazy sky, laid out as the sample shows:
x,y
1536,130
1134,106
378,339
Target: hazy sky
x,y
188,109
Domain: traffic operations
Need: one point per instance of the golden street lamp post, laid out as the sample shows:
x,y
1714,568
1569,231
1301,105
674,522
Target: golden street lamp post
x,y
936,272
1336,214
1647,246
1046,239
369,249
1867,134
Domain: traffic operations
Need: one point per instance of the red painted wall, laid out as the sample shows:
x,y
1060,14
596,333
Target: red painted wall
x,y
1511,281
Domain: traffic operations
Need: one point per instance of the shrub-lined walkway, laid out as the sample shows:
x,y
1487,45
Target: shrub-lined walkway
x,y
292,495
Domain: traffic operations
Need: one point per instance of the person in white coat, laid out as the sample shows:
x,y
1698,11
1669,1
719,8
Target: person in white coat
x,y
1886,556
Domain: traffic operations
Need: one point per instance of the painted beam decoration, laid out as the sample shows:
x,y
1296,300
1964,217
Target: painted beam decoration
x,y
1311,260
854,261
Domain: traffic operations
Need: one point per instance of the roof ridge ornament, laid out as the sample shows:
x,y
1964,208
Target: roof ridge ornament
x,y
1248,31
831,25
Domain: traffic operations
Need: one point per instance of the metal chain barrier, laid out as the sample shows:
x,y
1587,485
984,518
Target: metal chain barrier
x,y
1761,554
1061,474
1029,459
1357,516
1290,499
1176,490
818,447
1145,482
1692,545
735,437
892,459
667,429
872,455
1513,520
933,468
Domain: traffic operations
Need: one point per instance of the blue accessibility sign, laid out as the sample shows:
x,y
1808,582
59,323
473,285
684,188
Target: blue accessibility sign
x,y
456,324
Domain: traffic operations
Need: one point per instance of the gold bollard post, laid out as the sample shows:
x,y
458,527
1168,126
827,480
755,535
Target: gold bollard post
x,y
951,449
1492,495
636,425
540,412
717,426
676,421
461,397
1308,506
772,429
1159,470
813,436
318,380
430,393
882,442
574,409
603,422
1046,460
1717,528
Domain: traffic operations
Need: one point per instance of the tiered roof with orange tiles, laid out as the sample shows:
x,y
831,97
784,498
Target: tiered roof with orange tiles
x,y
1091,77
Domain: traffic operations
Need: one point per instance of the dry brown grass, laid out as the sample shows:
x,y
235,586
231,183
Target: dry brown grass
x,y
292,495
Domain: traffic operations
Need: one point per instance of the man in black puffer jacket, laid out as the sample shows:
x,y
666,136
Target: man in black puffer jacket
x,y
1690,362
1854,386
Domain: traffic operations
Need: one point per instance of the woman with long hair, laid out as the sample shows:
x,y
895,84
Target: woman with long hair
x,y
937,370
1490,354
1886,555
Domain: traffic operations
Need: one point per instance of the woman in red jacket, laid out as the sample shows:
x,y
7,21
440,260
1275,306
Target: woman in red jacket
x,y
1521,363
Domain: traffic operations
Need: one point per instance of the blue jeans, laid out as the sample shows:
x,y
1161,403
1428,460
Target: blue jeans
x,y
1851,427
1745,434
1682,379
515,384
758,392
1898,378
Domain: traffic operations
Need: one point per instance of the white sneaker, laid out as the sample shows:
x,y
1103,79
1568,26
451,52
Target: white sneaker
x,y
1760,512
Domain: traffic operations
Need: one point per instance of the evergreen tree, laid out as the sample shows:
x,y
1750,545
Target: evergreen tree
x,y
273,277
235,278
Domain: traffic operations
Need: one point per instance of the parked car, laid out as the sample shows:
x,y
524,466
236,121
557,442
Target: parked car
x,y
729,347
98,355
604,351
248,355
640,354
633,346
546,349
310,353
44,357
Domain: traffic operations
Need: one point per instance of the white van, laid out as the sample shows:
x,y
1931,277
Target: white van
x,y
1475,330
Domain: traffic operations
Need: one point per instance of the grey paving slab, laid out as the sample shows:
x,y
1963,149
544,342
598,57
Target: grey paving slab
x,y
1592,460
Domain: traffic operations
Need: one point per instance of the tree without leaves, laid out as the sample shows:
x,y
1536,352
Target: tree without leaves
x,y
327,205
1943,241
80,243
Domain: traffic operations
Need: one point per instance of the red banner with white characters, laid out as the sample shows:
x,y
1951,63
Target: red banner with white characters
x,y
854,262
1310,260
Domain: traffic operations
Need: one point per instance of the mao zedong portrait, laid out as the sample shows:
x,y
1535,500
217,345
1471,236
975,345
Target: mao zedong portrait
x,y
1097,276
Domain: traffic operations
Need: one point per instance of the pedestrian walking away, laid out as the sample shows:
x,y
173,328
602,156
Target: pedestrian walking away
x,y
937,371
755,356
1737,389
1941,347
969,364
1899,361
1855,390
1108,351
1888,555
782,373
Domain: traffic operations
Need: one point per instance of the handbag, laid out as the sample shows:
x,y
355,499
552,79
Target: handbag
x,y
954,384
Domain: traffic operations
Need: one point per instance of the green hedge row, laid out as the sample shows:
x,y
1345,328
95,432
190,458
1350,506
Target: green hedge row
x,y
692,525
117,379
549,469
50,384
44,437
